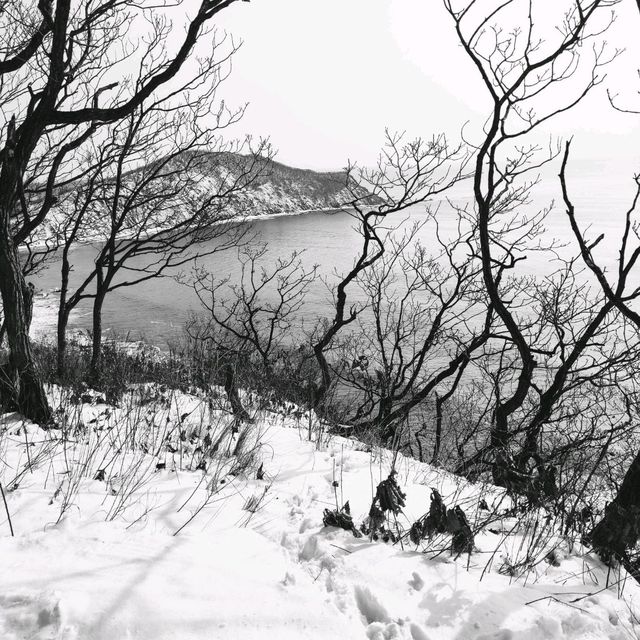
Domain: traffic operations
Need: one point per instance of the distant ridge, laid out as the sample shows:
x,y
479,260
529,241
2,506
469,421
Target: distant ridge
x,y
275,189
282,189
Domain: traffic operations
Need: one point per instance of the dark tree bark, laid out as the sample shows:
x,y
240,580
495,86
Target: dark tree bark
x,y
619,529
63,315
61,342
96,346
438,437
27,294
20,387
231,387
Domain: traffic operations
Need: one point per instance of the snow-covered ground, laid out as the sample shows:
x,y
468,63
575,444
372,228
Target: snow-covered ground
x,y
149,522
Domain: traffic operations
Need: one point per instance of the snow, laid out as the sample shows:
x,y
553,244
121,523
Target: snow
x,y
119,536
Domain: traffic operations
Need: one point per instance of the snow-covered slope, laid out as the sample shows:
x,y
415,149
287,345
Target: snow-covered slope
x,y
155,521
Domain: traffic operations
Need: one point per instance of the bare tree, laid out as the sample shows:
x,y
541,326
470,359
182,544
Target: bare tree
x,y
619,529
255,322
163,193
59,65
259,312
247,319
406,174
427,317
552,331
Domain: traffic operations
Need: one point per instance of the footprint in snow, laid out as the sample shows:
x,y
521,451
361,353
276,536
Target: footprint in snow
x,y
24,615
416,581
369,606
392,631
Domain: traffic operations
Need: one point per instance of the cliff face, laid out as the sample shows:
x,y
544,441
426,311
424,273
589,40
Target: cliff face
x,y
280,189
242,186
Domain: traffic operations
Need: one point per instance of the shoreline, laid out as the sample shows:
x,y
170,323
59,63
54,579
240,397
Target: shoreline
x,y
282,214
231,220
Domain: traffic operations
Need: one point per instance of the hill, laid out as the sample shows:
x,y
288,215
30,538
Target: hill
x,y
266,188
280,189
155,521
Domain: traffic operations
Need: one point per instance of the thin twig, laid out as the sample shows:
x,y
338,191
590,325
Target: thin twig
x,y
6,508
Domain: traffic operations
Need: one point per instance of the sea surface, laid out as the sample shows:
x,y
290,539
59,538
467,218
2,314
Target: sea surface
x,y
158,309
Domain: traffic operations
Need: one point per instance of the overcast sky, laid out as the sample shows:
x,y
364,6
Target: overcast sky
x,y
324,79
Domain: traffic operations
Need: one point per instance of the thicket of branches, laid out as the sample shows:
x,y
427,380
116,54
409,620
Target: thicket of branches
x,y
66,74
455,351
460,354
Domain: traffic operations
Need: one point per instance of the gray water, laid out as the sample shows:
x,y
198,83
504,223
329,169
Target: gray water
x,y
157,310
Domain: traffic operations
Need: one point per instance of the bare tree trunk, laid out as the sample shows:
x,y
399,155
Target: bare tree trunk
x,y
619,529
96,348
27,294
387,429
63,320
63,312
231,387
21,386
438,443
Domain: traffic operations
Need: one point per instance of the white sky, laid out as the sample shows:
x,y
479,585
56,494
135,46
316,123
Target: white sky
x,y
324,79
